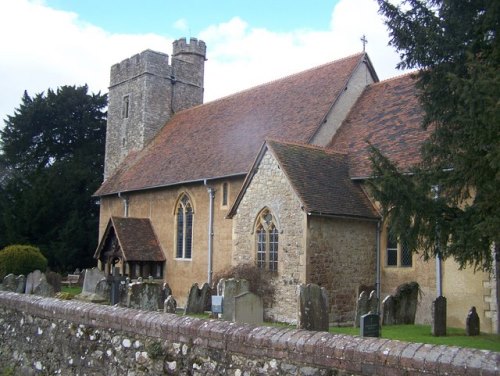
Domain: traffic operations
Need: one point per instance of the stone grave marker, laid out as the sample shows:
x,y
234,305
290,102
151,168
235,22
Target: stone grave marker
x,y
9,283
438,316
361,307
312,308
144,295
44,288
229,288
401,307
373,302
472,324
370,325
199,299
32,281
20,284
170,305
92,278
248,308
103,289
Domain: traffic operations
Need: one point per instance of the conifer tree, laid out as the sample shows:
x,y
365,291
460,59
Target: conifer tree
x,y
449,204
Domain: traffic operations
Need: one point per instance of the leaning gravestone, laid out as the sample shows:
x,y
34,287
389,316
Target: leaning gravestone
x,y
472,325
103,289
388,311
229,288
32,281
401,309
198,299
248,308
312,308
44,288
361,307
144,295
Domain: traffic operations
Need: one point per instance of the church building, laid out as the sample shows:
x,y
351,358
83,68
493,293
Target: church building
x,y
272,176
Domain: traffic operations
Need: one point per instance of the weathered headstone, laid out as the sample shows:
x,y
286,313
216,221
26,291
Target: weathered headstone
x,y
32,281
144,295
54,279
166,291
199,299
44,288
438,313
229,288
472,324
370,325
312,308
103,289
92,278
361,307
248,308
373,302
170,305
20,284
388,311
403,307
9,283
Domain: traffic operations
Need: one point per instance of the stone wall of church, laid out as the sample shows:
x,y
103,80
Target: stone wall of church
x,y
341,257
270,188
159,206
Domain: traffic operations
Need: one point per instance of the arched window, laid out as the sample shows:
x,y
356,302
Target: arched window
x,y
267,241
184,228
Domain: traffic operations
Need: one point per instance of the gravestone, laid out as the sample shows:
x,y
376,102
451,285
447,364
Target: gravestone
x,y
370,325
248,308
373,302
92,278
20,284
170,305
199,299
9,283
402,308
472,325
144,295
54,279
166,291
361,307
103,289
312,308
44,288
229,288
33,280
438,317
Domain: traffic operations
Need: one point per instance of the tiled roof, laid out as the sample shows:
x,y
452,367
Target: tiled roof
x,y
221,138
136,238
389,116
321,180
319,177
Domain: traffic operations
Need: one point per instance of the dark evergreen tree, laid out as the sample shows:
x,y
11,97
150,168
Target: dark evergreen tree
x,y
52,151
454,47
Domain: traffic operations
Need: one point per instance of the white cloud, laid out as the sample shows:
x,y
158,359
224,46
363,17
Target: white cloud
x,y
42,47
181,24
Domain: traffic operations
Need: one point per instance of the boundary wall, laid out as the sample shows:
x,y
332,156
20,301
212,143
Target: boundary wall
x,y
45,336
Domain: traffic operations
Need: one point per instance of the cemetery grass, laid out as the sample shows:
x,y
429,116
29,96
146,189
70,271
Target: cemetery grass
x,y
72,290
422,334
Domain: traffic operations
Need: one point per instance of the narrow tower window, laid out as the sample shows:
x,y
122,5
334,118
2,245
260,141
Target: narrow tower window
x,y
184,231
126,105
224,194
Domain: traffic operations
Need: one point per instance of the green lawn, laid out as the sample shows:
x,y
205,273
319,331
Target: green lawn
x,y
422,334
72,290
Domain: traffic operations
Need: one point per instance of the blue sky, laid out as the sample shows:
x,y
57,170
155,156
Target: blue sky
x,y
50,43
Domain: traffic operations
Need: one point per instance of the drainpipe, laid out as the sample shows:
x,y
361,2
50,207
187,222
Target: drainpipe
x,y
125,204
211,195
439,279
377,283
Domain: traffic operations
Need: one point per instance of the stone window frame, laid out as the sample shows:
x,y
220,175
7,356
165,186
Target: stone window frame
x,y
266,230
126,106
397,253
183,249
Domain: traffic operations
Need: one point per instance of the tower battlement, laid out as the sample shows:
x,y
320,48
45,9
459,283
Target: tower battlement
x,y
147,61
195,46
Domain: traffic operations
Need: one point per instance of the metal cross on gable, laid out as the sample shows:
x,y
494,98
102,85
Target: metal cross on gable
x,y
364,41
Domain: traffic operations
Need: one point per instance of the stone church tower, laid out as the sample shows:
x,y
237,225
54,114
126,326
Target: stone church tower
x,y
145,91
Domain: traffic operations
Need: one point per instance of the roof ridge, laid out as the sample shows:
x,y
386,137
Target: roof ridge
x,y
394,78
278,79
306,146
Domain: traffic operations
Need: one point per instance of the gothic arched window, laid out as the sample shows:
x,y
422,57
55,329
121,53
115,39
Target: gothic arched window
x,y
267,241
184,233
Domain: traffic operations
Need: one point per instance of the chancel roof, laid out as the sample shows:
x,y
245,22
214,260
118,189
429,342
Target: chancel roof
x,y
132,239
389,116
320,178
221,138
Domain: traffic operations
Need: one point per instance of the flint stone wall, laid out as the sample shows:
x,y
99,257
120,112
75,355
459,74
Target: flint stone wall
x,y
40,336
